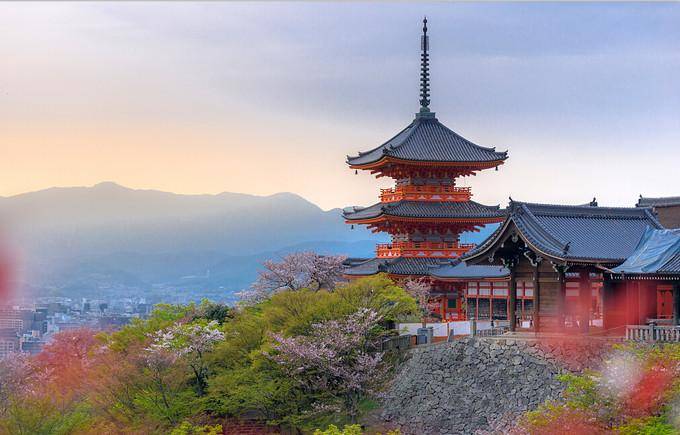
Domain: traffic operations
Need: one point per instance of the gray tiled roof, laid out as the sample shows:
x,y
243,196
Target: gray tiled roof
x,y
460,270
424,209
667,201
577,233
426,139
672,266
397,266
363,266
437,268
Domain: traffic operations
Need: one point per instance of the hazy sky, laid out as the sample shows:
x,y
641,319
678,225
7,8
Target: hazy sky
x,y
268,97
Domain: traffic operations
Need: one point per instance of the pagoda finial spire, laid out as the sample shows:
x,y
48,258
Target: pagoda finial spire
x,y
424,70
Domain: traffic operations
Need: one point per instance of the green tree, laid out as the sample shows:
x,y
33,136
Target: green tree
x,y
138,330
244,381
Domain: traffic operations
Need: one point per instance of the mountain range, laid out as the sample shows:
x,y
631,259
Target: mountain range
x,y
108,240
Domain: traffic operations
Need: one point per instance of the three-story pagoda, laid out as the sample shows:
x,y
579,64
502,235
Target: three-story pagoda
x,y
426,210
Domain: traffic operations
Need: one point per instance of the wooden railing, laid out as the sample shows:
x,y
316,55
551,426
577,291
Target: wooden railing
x,y
653,333
426,193
497,330
422,249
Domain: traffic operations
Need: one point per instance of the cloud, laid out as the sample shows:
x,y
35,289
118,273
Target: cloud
x,y
152,94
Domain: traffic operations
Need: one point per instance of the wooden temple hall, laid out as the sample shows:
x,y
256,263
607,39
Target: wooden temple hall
x,y
546,267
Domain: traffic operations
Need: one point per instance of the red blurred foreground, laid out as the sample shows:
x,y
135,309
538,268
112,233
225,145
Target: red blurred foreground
x,y
7,273
652,390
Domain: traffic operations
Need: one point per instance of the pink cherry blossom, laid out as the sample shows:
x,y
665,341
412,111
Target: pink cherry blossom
x,y
339,357
295,271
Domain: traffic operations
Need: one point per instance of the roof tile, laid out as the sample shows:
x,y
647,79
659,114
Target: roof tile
x,y
427,139
577,233
667,201
438,268
425,209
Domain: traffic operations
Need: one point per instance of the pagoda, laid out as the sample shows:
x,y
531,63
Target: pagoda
x,y
426,210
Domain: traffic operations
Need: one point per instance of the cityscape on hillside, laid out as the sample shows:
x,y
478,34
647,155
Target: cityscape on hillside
x,y
28,328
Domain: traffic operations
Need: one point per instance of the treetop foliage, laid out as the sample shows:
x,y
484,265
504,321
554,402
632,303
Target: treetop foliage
x,y
187,368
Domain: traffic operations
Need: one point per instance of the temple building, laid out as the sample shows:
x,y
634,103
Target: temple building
x,y
581,268
426,210
570,258
667,209
646,287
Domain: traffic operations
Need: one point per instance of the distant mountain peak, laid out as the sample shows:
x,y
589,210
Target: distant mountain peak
x,y
288,195
109,185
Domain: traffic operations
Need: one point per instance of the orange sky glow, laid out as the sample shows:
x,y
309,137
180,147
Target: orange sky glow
x,y
173,98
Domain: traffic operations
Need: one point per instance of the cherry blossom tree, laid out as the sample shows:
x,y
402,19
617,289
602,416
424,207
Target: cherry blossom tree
x,y
338,360
295,271
419,289
163,396
41,392
15,370
188,341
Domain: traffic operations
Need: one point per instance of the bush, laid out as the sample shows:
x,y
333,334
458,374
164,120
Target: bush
x,y
637,385
581,391
353,429
561,420
647,426
186,428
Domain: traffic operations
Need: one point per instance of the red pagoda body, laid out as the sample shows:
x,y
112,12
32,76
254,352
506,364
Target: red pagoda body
x,y
426,210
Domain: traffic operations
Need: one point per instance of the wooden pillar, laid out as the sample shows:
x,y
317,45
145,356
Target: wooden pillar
x,y
631,311
640,319
627,317
585,296
561,297
537,299
608,303
491,305
512,300
676,303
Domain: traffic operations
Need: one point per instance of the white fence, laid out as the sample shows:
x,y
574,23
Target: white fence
x,y
653,333
459,327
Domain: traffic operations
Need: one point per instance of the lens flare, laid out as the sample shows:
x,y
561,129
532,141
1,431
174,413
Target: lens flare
x,y
7,272
620,375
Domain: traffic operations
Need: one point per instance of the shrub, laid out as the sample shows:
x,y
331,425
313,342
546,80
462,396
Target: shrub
x,y
557,419
186,428
353,429
646,426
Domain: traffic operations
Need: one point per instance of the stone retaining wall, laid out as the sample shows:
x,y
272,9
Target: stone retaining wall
x,y
480,385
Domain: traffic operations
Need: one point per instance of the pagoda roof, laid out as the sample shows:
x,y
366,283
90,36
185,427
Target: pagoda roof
x,y
581,233
428,140
436,268
657,253
668,201
424,210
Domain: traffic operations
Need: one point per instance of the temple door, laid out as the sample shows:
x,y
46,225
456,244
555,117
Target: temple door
x,y
664,301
